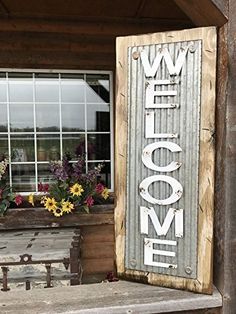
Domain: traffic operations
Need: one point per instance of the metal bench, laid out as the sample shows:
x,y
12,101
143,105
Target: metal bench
x,y
41,246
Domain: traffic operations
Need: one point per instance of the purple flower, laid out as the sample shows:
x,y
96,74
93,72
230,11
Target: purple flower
x,y
57,169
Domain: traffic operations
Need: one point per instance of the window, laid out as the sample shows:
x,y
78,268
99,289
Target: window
x,y
44,115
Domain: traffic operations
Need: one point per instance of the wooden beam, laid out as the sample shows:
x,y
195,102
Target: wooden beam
x,y
106,27
3,9
225,219
202,12
21,41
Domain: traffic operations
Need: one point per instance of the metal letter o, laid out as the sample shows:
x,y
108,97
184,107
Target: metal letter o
x,y
176,187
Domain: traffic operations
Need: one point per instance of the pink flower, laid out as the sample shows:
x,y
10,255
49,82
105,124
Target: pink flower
x,y
18,199
43,187
89,201
99,188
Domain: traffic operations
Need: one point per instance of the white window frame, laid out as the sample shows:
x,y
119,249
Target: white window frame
x,y
63,71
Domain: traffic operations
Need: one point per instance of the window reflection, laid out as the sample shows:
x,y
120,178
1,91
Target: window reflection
x,y
73,117
23,178
98,117
47,117
3,146
73,90
48,147
73,144
20,90
22,148
51,114
47,90
44,174
99,146
21,117
3,90
3,118
97,89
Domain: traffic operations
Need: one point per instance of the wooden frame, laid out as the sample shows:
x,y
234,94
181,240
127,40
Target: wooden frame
x,y
203,282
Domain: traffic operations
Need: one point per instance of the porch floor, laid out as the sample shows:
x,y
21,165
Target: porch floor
x,y
113,298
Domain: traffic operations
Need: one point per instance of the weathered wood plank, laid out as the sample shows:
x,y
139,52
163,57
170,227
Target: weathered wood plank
x,y
64,60
108,298
225,222
202,12
98,265
97,250
99,233
23,218
95,27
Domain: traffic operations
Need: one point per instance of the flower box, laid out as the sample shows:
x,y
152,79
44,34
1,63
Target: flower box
x,y
28,218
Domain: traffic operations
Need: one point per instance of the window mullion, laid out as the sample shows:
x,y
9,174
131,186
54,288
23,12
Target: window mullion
x,y
60,116
8,129
86,124
111,131
35,137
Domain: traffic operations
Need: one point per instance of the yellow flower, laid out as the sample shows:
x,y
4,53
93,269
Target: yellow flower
x,y
105,193
57,212
76,189
43,200
50,204
31,199
67,207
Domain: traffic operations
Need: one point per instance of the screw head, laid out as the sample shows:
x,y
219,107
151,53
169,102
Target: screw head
x,y
188,270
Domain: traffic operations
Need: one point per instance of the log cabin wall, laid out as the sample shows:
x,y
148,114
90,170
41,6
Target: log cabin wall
x,y
74,35
80,35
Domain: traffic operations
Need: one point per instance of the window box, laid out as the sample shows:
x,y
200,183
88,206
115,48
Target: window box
x,y
27,218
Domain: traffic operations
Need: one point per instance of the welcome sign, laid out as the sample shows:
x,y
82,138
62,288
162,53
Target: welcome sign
x,y
165,152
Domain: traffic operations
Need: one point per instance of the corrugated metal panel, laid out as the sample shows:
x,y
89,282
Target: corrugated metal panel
x,y
183,120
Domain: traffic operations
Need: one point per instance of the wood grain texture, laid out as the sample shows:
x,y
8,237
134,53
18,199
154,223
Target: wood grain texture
x,y
227,103
202,12
30,218
203,283
110,298
87,44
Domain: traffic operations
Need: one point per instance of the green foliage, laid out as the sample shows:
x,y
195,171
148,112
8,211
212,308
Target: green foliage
x,y
6,195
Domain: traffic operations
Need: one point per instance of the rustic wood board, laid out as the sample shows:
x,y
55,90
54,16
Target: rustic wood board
x,y
203,282
30,218
108,298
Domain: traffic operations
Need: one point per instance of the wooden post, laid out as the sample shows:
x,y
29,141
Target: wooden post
x,y
75,267
225,202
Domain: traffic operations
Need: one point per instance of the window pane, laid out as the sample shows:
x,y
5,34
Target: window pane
x,y
3,90
105,175
20,90
22,148
73,144
3,117
99,146
73,118
73,90
44,174
98,117
47,90
47,117
3,146
22,117
97,89
48,147
23,178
